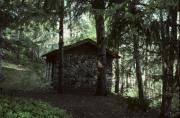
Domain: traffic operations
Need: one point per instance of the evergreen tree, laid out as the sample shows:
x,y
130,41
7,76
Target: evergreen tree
x,y
99,9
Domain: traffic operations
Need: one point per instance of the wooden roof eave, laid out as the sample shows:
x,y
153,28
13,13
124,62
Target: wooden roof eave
x,y
114,55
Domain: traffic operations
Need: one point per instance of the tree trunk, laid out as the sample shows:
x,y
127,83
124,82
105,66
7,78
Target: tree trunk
x,y
0,53
117,76
61,51
138,69
127,81
146,71
178,64
18,47
168,59
167,90
101,57
70,23
98,6
122,74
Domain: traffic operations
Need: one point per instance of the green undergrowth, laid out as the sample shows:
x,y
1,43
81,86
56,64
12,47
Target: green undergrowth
x,y
134,104
28,108
21,77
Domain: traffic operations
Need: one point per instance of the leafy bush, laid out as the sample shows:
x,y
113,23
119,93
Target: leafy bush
x,y
23,108
135,104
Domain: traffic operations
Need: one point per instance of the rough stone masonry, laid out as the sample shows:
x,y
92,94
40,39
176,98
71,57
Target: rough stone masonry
x,y
80,72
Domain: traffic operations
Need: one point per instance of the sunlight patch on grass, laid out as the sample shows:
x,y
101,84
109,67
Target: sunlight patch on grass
x,y
13,66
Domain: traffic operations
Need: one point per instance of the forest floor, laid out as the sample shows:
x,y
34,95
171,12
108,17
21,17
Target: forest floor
x,y
90,106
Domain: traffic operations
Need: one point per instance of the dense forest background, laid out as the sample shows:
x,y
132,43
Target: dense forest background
x,y
145,33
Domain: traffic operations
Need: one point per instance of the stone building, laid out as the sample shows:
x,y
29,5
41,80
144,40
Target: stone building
x,y
79,65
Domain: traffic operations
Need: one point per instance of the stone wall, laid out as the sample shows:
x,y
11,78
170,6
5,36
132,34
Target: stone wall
x,y
80,72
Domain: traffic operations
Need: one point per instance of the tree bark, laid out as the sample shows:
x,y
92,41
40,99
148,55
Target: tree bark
x,y
61,50
98,6
168,59
101,57
18,49
138,69
117,76
70,22
0,54
122,81
178,52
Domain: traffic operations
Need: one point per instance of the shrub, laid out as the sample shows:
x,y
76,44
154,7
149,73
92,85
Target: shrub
x,y
23,108
135,104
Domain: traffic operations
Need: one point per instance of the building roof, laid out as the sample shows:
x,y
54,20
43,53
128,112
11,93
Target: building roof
x,y
79,43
